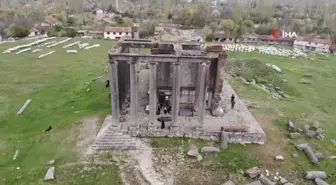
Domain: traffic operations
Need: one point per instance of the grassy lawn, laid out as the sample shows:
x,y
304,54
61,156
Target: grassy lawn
x,y
56,84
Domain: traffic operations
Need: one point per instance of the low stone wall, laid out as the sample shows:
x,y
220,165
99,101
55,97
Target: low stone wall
x,y
234,137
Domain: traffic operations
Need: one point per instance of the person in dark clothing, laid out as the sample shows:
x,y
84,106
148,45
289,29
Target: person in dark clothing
x,y
169,109
107,83
233,101
158,110
165,110
48,129
162,124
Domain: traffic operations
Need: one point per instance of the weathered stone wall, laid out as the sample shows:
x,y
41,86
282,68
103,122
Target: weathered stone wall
x,y
234,137
165,74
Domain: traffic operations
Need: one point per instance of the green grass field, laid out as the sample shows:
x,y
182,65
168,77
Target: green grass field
x,y
57,86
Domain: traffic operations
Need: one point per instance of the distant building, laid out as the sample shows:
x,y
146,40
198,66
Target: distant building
x,y
332,48
250,39
50,21
269,39
158,33
222,37
115,33
91,34
313,44
34,32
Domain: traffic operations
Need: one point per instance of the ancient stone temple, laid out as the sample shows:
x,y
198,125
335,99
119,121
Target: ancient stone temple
x,y
175,90
183,77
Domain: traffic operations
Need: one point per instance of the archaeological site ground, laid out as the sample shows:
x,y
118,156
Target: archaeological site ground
x,y
68,93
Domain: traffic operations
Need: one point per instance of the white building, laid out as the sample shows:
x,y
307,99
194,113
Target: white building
x,y
34,32
115,33
313,44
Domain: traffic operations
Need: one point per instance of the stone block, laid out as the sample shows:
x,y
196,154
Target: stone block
x,y
253,172
210,150
50,174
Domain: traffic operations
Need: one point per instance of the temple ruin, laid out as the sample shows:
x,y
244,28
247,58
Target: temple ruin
x,y
147,76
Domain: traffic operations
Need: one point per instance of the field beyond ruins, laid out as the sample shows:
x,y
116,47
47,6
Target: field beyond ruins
x,y
68,94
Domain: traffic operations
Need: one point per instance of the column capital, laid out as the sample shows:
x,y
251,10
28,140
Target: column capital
x,y
113,61
153,63
132,62
207,63
177,63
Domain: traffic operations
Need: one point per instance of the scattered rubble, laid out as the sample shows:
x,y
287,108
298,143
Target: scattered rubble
x,y
332,157
264,180
25,105
255,183
309,152
253,172
309,133
224,140
51,161
72,51
279,158
291,126
46,54
15,155
319,181
228,183
210,150
50,174
294,135
311,175
308,75
319,156
333,142
303,81
295,155
283,180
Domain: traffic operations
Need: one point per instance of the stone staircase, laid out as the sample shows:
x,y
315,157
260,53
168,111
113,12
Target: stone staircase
x,y
114,140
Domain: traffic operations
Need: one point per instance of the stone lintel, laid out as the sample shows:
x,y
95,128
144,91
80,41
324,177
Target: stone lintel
x,y
159,58
133,44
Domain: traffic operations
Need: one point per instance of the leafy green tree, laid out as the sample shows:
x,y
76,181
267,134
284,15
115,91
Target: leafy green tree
x,y
213,26
14,30
227,25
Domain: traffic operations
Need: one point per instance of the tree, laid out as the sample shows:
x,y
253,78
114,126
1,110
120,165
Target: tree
x,y
213,26
249,25
17,31
70,21
239,30
146,29
119,19
227,25
38,16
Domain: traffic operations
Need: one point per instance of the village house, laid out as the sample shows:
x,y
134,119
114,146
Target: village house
x,y
34,32
158,33
222,37
250,39
116,33
269,39
313,44
332,49
49,21
91,34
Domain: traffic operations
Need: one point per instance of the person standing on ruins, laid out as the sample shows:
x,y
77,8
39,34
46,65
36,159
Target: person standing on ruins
x,y
233,101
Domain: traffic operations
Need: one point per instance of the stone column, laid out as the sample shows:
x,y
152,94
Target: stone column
x,y
114,92
201,98
134,91
198,81
153,93
176,93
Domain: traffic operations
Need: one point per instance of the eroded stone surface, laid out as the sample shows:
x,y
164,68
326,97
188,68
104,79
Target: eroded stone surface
x,y
50,174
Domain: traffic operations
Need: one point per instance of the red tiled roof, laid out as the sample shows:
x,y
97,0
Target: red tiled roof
x,y
34,29
51,20
314,40
333,47
118,29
